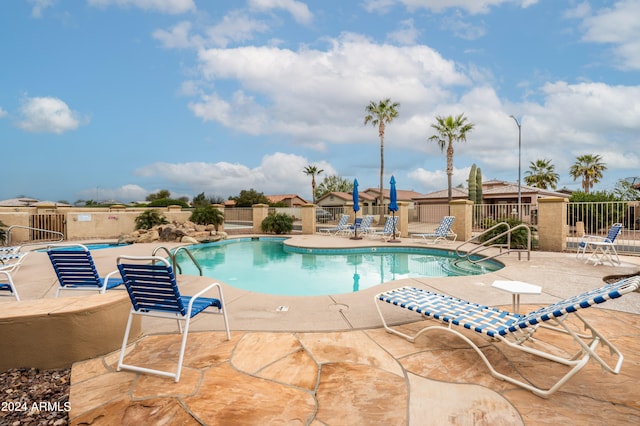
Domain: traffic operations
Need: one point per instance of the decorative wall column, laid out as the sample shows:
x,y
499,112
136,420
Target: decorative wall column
x,y
462,210
308,218
552,223
403,218
260,212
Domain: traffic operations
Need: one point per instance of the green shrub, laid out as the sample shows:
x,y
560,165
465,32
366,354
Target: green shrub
x,y
278,223
150,218
164,202
518,237
207,215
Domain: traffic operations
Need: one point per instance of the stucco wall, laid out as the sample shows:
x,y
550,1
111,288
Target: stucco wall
x,y
87,223
55,333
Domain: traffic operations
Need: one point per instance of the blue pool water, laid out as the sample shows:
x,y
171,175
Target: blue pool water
x,y
95,246
266,265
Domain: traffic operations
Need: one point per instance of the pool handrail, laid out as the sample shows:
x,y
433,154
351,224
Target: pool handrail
x,y
486,244
9,229
172,256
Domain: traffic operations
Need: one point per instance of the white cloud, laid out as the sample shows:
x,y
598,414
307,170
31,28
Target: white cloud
x,y
177,37
618,26
125,193
48,115
275,175
39,6
276,97
470,6
436,180
407,34
3,113
234,27
173,7
297,9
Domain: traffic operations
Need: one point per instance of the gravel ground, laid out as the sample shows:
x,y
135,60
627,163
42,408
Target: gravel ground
x,y
34,397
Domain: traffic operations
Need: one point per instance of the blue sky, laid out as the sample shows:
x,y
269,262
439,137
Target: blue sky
x,y
116,99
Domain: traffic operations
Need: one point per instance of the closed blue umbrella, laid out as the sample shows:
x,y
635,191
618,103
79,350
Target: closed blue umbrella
x,y
356,201
356,207
393,206
393,196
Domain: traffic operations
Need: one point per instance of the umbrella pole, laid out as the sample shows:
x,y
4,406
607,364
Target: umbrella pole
x,y
393,240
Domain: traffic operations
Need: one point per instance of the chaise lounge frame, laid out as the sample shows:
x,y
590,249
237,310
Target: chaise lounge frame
x,y
513,329
153,291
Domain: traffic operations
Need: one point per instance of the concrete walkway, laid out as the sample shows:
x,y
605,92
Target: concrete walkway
x,y
325,359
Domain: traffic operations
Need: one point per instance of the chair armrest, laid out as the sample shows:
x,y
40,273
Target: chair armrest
x,y
204,290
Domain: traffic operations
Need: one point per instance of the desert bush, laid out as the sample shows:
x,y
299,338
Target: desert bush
x,y
277,223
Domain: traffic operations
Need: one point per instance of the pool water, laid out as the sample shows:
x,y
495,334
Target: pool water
x,y
92,246
266,265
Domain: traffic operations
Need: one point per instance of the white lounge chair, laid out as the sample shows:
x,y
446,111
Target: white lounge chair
x,y
514,330
442,232
10,262
390,226
602,249
343,223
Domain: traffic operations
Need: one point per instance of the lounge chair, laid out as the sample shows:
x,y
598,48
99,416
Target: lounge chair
x,y
350,230
387,232
8,285
343,223
516,330
363,227
76,270
154,292
442,232
9,249
10,262
602,249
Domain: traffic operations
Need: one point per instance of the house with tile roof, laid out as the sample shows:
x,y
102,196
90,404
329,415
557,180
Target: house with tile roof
x,y
288,200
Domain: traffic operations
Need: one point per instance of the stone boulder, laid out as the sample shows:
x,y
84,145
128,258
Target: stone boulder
x,y
187,232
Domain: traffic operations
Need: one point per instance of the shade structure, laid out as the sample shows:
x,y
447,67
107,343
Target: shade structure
x,y
393,206
356,208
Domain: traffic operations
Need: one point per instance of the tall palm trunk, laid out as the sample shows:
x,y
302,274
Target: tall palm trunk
x,y
450,169
381,133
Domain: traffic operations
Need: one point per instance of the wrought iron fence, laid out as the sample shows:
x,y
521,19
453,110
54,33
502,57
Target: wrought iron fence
x,y
486,215
595,218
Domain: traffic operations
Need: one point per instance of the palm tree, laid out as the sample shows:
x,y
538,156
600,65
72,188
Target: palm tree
x,y
313,171
542,174
450,130
380,115
588,167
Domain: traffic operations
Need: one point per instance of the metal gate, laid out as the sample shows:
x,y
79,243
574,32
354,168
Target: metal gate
x,y
42,226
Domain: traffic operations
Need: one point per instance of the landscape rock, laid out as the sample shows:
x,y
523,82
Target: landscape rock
x,y
187,232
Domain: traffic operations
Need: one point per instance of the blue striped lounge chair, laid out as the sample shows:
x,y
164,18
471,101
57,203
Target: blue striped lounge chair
x,y
154,292
602,249
75,269
387,232
363,227
10,262
6,284
343,223
442,232
514,330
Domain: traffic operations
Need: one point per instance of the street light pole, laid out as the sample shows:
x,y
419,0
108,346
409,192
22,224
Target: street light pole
x,y
519,166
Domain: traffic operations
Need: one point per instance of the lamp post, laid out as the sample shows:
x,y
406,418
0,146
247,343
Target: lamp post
x,y
519,165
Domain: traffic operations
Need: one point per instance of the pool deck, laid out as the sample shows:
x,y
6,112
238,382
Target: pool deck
x,y
325,360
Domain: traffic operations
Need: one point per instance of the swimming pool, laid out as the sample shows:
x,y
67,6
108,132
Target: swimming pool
x,y
266,265
93,246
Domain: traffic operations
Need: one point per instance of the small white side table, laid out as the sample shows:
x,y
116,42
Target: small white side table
x,y
516,288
